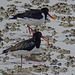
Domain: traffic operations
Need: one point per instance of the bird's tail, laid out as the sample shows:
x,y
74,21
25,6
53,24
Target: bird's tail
x,y
5,51
12,17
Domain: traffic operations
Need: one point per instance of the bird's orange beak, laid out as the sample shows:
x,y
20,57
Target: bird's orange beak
x,y
32,31
46,39
51,16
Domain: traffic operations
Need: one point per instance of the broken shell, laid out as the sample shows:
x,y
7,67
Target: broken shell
x,y
54,32
69,41
1,8
1,39
69,58
66,25
40,68
61,56
1,43
72,31
5,58
54,61
6,29
65,31
63,51
1,19
59,64
17,2
6,40
1,34
13,28
18,29
64,69
26,5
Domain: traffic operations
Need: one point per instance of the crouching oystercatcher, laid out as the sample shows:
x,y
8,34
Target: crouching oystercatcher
x,y
27,47
32,16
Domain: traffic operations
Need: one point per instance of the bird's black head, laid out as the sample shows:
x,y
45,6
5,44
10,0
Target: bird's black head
x,y
37,35
45,11
37,38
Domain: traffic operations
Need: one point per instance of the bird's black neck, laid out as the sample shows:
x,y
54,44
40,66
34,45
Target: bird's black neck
x,y
37,42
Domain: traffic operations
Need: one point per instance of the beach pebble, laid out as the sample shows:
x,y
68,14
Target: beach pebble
x,y
72,31
70,58
1,19
66,25
11,9
64,69
65,31
69,41
5,58
54,32
13,28
1,34
39,2
61,56
6,39
53,62
1,43
63,51
17,2
6,29
69,63
61,8
1,8
26,5
1,39
40,68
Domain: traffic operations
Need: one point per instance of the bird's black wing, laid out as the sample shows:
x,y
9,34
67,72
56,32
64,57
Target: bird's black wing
x,y
24,45
32,13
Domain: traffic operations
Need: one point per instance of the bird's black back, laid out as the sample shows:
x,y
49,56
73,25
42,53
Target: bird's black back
x,y
32,13
24,45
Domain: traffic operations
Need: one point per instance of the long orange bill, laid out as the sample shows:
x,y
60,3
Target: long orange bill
x,y
46,39
51,16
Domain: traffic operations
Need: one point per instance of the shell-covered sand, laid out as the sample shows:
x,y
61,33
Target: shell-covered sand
x,y
57,57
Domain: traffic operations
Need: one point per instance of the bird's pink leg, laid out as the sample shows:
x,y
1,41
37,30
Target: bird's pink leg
x,y
34,59
30,29
21,61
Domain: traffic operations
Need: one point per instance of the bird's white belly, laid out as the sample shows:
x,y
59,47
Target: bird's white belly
x,y
31,21
24,52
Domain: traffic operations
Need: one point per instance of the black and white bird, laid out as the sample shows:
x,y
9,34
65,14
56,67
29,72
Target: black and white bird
x,y
27,47
32,16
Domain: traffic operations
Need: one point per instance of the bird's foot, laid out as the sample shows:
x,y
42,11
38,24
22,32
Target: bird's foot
x,y
30,29
30,58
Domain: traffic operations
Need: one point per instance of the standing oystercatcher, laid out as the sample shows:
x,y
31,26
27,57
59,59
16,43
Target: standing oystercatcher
x,y
27,47
33,16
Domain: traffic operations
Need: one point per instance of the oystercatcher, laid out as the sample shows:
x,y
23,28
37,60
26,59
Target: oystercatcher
x,y
33,16
27,47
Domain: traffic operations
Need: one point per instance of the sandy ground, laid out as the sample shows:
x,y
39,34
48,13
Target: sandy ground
x,y
17,32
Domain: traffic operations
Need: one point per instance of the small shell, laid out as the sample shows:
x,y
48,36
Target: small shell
x,y
1,19
64,69
26,5
61,56
6,40
6,29
5,58
54,32
1,8
17,2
